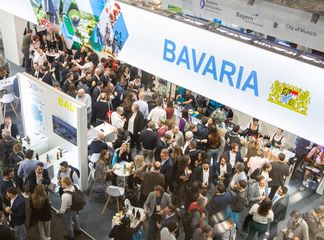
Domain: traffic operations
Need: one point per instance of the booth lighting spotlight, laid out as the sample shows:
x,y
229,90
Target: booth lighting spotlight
x,y
250,2
315,18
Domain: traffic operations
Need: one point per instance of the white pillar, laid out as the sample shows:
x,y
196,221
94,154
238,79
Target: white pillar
x,y
12,29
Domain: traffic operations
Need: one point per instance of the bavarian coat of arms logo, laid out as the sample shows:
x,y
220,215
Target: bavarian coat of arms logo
x,y
289,96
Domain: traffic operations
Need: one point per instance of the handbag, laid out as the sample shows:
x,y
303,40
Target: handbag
x,y
108,114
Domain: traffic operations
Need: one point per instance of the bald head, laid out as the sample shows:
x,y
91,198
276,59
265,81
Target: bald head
x,y
141,95
157,166
98,71
101,136
120,110
81,92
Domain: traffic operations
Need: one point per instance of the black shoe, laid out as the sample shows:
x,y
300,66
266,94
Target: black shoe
x,y
68,237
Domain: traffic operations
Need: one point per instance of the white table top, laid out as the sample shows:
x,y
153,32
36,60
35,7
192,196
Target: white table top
x,y
106,128
120,169
52,54
66,156
7,82
34,140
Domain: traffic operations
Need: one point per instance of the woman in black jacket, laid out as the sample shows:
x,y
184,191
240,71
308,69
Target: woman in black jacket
x,y
123,231
135,125
41,212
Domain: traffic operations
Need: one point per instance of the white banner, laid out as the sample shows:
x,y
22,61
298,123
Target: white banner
x,y
19,8
274,88
281,22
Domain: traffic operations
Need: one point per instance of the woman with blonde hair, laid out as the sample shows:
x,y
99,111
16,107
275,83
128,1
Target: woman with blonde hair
x,y
41,212
137,174
16,155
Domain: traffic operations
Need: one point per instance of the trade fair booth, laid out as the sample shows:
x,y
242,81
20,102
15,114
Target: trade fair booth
x,y
54,126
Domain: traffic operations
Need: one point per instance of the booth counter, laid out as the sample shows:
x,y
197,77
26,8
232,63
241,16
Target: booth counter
x,y
39,143
53,120
54,157
108,130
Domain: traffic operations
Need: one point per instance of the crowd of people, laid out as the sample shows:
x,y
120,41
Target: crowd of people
x,y
190,181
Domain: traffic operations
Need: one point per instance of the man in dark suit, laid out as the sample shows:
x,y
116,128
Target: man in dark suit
x,y
169,218
68,81
234,155
162,143
223,171
96,76
17,213
278,174
12,128
104,78
279,208
148,138
37,72
203,175
150,180
6,183
193,153
98,144
166,167
39,176
47,77
96,92
217,206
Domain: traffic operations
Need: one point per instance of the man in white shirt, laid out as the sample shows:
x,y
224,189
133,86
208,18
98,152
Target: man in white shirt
x,y
117,119
85,98
188,137
87,67
176,136
143,106
39,57
69,215
158,113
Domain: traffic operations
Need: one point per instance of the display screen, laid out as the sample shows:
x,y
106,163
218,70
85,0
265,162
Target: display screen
x,y
64,130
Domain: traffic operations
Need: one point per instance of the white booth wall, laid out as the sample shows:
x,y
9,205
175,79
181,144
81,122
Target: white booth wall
x,y
12,29
40,102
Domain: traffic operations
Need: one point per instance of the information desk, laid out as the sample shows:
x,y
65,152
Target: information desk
x,y
108,130
38,143
52,159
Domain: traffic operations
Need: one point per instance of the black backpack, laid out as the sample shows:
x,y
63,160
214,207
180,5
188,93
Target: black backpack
x,y
73,169
78,199
186,219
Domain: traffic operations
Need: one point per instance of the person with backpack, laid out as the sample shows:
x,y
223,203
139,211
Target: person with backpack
x,y
67,170
232,136
67,210
195,217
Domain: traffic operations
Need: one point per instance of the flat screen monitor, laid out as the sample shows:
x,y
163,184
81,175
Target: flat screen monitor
x,y
65,130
